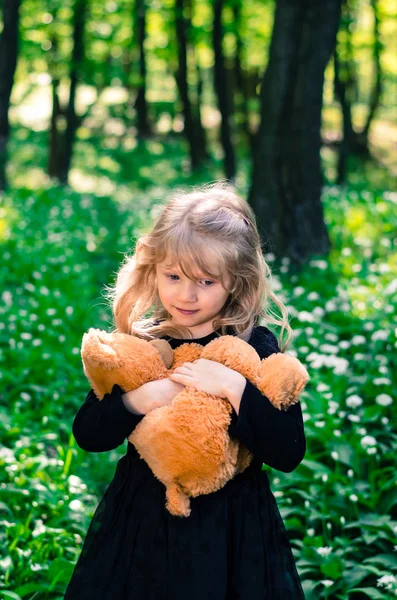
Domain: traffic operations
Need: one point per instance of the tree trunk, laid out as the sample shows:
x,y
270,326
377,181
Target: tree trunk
x,y
362,136
54,149
75,74
240,80
143,127
182,82
347,142
287,178
199,128
223,94
9,45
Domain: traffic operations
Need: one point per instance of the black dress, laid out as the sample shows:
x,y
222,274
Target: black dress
x,y
233,546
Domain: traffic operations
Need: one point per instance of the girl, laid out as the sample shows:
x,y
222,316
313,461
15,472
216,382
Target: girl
x,y
201,272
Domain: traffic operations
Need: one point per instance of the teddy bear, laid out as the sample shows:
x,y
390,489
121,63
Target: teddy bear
x,y
186,444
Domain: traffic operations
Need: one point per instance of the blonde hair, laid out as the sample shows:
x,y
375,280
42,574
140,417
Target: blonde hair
x,y
211,220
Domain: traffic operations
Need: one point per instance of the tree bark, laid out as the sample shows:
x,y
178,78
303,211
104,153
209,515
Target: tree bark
x,y
54,137
362,136
287,178
9,46
241,91
143,127
181,77
223,94
72,120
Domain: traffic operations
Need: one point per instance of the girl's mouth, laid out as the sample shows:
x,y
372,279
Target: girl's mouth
x,y
186,312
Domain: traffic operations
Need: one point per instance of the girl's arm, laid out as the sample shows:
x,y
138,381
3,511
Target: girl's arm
x,y
275,437
102,425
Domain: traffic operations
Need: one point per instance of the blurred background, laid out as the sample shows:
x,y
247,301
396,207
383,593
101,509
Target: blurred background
x,y
105,108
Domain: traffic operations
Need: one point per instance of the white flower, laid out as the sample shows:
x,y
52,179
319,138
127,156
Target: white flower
x,y
384,420
304,315
354,418
382,381
325,551
313,296
76,505
6,563
342,520
319,423
368,440
340,365
330,306
358,339
354,401
331,336
337,432
321,264
327,582
386,581
324,477
39,528
353,497
298,291
329,349
372,450
391,288
350,473
380,335
311,532
335,455
6,297
384,400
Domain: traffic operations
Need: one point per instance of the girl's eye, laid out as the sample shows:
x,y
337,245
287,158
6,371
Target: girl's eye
x,y
209,281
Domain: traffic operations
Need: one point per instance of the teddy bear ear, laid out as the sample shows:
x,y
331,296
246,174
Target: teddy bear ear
x,y
97,353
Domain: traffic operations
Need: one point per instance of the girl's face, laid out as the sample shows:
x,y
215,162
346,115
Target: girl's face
x,y
203,295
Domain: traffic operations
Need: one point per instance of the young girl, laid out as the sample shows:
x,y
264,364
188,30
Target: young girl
x,y
200,273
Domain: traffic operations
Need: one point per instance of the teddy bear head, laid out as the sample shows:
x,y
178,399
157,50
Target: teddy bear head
x,y
110,358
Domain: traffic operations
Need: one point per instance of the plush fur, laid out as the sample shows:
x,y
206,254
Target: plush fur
x,y
186,444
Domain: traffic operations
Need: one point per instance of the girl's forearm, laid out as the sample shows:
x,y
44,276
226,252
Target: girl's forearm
x,y
137,401
234,390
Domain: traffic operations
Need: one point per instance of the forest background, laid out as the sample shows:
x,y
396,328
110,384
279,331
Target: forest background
x,y
105,107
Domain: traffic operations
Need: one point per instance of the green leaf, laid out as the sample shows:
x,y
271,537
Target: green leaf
x,y
371,592
12,595
387,560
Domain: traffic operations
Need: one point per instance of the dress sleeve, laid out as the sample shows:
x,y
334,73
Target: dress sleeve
x,y
274,436
102,425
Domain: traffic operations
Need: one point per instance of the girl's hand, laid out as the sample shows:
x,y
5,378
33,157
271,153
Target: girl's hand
x,y
208,376
162,392
151,395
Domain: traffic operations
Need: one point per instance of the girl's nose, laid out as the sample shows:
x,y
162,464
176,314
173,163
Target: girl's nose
x,y
188,293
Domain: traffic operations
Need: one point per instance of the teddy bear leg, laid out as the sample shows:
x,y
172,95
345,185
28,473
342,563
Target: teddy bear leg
x,y
178,503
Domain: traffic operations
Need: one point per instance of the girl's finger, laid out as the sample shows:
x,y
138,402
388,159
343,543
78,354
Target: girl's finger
x,y
179,375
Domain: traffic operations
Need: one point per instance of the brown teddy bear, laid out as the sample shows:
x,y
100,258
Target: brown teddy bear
x,y
186,444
